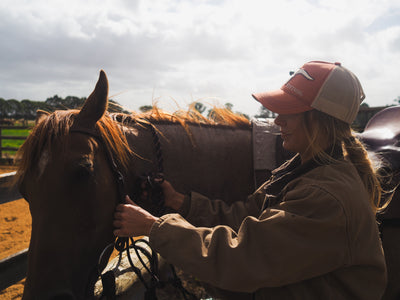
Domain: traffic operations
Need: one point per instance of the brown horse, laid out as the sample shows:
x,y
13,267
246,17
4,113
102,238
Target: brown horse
x,y
66,175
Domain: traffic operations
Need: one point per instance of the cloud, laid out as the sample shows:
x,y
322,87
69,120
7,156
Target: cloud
x,y
191,49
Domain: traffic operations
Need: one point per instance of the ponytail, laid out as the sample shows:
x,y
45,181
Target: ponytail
x,y
359,157
321,126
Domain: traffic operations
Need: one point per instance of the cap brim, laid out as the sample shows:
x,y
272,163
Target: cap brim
x,y
281,103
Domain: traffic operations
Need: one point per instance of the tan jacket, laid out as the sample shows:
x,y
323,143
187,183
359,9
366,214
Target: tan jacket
x,y
320,242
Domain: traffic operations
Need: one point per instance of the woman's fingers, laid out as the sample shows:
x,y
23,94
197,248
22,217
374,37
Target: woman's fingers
x,y
117,215
117,224
129,201
132,220
119,208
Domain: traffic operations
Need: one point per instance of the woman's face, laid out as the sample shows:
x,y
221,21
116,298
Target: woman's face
x,y
294,134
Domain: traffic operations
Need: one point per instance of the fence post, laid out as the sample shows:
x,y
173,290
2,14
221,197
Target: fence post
x,y
13,269
1,154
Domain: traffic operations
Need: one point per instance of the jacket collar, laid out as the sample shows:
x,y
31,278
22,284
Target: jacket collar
x,y
293,169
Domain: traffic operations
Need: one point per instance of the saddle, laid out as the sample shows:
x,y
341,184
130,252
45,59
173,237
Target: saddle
x,y
381,137
382,134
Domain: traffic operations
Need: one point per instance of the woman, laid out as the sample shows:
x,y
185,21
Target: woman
x,y
307,233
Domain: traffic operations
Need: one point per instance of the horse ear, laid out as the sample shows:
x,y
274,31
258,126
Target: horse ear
x,y
95,105
40,114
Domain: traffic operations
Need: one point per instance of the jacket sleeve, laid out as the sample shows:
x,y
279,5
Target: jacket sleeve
x,y
304,236
201,211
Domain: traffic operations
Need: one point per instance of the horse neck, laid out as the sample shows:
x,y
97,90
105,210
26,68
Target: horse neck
x,y
213,160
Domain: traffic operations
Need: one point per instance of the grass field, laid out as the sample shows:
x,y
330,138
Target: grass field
x,y
12,143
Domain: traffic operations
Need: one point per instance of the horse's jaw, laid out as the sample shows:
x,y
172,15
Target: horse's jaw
x,y
59,268
77,285
62,295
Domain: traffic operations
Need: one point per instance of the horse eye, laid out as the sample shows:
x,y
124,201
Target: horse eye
x,y
83,171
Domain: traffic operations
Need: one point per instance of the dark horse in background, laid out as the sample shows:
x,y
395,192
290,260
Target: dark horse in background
x,y
382,138
67,176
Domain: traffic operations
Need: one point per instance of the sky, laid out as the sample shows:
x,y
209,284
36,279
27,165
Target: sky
x,y
176,52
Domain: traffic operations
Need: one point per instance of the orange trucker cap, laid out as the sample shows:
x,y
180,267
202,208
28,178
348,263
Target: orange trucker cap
x,y
327,87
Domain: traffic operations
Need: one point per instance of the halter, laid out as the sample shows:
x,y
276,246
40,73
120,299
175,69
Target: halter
x,y
152,183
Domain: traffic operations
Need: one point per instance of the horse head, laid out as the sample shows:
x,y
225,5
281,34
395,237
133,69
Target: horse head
x,y
66,178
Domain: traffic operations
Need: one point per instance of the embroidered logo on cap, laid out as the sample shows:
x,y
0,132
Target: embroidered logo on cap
x,y
302,72
294,89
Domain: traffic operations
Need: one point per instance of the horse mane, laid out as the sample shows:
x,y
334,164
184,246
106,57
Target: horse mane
x,y
217,117
53,127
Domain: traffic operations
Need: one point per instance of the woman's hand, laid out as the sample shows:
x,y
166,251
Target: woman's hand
x,y
172,198
132,220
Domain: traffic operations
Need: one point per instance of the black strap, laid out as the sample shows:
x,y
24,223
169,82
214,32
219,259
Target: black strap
x,y
108,281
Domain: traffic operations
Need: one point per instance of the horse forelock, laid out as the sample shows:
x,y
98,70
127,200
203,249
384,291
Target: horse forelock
x,y
114,140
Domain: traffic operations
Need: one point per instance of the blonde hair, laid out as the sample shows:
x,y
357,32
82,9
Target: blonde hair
x,y
322,127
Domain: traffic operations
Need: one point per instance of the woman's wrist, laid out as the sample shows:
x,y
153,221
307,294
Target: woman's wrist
x,y
149,224
172,198
176,201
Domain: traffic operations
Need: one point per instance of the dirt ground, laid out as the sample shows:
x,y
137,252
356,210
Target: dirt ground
x,y
15,231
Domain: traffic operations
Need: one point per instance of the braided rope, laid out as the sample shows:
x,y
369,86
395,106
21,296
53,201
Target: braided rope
x,y
157,145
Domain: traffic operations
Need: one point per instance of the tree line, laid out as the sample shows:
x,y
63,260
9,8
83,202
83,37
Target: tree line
x,y
26,109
